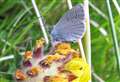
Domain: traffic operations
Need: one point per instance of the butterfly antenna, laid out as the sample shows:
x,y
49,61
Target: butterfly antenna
x,y
40,21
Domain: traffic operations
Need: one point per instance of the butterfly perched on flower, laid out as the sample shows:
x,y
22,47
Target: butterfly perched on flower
x,y
63,64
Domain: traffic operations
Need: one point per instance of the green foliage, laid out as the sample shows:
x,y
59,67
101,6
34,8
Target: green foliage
x,y
19,28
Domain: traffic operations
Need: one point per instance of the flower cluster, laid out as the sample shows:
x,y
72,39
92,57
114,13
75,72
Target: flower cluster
x,y
64,64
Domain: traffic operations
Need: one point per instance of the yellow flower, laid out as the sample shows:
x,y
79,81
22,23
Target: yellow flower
x,y
79,68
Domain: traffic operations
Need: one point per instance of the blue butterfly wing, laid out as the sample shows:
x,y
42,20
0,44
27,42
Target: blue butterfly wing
x,y
71,26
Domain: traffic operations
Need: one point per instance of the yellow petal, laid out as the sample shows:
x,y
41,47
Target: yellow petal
x,y
79,68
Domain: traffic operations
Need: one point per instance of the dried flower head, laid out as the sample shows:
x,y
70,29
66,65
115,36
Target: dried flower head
x,y
64,65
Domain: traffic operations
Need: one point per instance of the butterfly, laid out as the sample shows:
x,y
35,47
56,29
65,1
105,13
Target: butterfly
x,y
71,26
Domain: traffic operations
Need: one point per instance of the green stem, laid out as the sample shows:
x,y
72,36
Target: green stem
x,y
87,37
116,6
114,35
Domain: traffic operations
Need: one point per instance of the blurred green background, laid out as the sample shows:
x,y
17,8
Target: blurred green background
x,y
19,28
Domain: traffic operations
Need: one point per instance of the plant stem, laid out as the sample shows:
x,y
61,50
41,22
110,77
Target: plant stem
x,y
100,28
87,37
114,35
40,21
82,50
116,5
9,57
97,77
98,11
69,4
